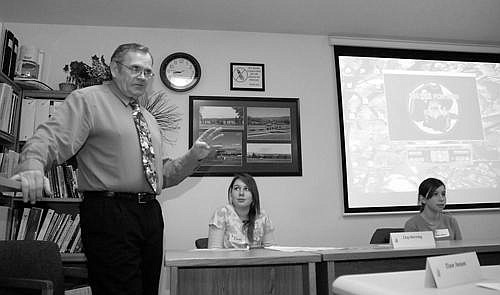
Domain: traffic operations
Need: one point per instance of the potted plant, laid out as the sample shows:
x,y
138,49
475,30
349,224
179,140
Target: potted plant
x,y
82,75
69,85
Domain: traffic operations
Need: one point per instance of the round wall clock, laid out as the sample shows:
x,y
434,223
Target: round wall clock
x,y
180,71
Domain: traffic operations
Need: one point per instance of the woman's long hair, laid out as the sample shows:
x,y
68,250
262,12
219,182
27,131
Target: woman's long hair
x,y
427,189
254,211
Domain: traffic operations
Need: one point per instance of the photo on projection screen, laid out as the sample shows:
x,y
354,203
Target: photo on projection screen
x,y
407,115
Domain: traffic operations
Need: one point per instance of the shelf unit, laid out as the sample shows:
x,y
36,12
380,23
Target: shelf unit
x,y
9,140
67,205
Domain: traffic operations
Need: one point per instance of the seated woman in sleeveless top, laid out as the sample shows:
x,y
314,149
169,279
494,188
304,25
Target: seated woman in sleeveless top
x,y
241,223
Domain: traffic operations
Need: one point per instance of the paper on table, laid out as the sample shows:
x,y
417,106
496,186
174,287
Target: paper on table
x,y
221,249
494,286
297,249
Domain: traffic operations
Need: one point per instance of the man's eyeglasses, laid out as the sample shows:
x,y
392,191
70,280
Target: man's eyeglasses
x,y
137,70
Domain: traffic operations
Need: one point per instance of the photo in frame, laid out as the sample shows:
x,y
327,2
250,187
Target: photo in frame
x,y
247,76
261,135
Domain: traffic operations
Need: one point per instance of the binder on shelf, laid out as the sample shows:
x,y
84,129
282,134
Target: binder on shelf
x,y
41,112
8,47
13,57
27,125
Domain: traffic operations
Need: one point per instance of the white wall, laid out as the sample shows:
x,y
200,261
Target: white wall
x,y
306,210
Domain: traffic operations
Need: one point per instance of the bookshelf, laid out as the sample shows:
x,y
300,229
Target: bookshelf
x,y
60,204
8,138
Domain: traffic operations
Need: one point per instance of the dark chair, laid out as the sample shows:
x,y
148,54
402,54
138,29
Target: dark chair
x,y
31,267
201,243
382,235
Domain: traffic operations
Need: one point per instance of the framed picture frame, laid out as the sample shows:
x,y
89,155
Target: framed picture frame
x,y
247,76
261,135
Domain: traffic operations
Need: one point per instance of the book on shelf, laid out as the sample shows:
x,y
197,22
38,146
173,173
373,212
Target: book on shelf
x,y
45,224
83,290
22,224
5,222
52,223
16,218
55,228
9,162
76,240
5,106
64,231
13,113
33,223
70,234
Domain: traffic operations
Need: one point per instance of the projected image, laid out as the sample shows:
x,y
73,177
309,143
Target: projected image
x,y
432,106
407,119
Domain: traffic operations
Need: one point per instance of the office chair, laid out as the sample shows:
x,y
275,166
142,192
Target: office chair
x,y
32,267
201,243
382,235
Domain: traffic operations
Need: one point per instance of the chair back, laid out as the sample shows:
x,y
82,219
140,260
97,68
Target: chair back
x,y
201,243
382,235
32,260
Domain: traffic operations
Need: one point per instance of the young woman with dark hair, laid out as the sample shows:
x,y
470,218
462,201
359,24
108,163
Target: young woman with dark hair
x,y
241,223
432,200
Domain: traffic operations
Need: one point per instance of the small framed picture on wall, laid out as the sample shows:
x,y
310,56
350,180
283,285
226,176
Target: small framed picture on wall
x,y
247,76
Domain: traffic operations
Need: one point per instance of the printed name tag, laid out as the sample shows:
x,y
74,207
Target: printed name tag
x,y
418,239
441,233
450,270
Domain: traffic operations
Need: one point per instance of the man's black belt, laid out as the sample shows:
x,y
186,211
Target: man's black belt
x,y
140,198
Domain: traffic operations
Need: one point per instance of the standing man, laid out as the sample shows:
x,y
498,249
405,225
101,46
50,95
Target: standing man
x,y
117,146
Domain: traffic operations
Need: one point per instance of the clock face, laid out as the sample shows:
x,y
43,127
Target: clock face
x,y
180,71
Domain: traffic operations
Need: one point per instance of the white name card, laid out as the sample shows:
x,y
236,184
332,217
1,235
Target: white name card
x,y
450,270
418,239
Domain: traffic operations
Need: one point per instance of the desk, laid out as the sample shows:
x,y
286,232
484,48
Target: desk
x,y
383,258
256,271
408,282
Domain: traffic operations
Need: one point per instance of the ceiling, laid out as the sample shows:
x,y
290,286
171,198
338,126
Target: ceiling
x,y
470,21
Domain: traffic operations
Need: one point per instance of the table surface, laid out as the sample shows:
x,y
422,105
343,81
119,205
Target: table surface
x,y
386,250
231,257
410,283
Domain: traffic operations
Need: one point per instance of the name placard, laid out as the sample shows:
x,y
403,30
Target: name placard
x,y
450,270
418,239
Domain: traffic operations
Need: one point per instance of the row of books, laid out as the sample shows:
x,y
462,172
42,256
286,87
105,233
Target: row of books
x,y
63,181
8,108
8,162
62,178
43,225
